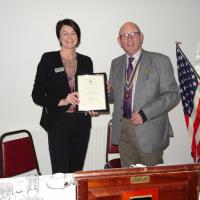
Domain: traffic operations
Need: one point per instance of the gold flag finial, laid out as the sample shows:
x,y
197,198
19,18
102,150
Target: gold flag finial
x,y
177,42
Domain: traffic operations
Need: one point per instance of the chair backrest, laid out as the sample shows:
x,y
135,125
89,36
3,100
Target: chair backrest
x,y
110,148
17,153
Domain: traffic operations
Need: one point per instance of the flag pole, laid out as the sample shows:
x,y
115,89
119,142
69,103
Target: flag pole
x,y
177,44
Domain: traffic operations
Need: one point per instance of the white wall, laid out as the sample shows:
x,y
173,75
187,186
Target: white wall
x,y
28,30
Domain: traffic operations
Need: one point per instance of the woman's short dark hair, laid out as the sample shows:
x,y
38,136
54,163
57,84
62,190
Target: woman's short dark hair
x,y
71,23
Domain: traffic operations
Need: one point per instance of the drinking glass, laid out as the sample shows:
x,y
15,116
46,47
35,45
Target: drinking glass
x,y
32,185
6,191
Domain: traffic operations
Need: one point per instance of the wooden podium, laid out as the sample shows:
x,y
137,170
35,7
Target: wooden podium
x,y
175,182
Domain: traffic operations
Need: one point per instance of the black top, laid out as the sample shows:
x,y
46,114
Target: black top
x,y
51,85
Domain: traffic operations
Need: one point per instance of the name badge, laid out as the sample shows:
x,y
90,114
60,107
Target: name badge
x,y
59,69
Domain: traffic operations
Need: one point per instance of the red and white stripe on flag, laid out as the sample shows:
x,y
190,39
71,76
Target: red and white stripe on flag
x,y
193,125
190,96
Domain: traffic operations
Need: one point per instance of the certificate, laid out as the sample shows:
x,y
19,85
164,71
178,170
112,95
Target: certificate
x,y
92,92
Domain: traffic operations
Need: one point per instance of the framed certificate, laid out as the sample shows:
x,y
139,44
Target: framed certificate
x,y
92,92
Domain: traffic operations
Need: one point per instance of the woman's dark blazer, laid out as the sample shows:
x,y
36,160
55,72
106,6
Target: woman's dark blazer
x,y
51,85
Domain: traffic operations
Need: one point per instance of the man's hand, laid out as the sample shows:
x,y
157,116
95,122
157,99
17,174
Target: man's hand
x,y
109,87
136,119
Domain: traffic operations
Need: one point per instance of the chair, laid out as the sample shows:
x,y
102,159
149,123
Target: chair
x,y
17,154
111,149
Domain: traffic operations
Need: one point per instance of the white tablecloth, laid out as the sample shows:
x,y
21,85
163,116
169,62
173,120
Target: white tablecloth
x,y
19,183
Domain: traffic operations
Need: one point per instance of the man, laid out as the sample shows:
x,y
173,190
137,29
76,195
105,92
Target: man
x,y
143,89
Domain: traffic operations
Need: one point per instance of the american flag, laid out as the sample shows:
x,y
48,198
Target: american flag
x,y
190,96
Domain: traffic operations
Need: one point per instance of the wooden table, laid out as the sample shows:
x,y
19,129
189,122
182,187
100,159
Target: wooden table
x,y
175,182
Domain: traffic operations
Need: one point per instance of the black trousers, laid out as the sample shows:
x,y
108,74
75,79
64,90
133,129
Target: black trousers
x,y
68,142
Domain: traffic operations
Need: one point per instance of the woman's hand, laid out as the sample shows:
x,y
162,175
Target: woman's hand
x,y
92,113
71,98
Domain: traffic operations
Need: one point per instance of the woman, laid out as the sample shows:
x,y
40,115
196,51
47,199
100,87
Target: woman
x,y
54,90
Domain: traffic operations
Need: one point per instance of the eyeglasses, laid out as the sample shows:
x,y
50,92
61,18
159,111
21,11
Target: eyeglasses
x,y
126,36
